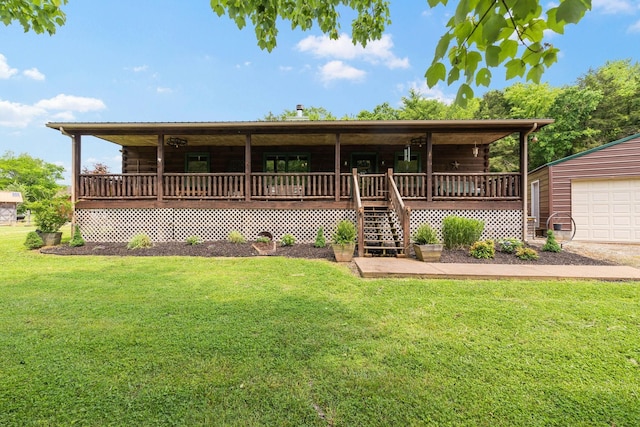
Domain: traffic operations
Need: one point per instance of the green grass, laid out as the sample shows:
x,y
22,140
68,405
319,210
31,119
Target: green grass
x,y
279,342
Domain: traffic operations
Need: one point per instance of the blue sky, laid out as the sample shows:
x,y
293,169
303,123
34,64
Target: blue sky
x,y
165,60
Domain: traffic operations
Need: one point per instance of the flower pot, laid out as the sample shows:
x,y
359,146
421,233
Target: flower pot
x,y
343,252
51,239
428,253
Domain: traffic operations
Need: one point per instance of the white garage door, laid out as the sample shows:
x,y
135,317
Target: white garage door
x,y
606,211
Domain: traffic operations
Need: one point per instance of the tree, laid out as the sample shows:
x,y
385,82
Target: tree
x,y
482,34
39,16
311,113
98,169
618,114
35,178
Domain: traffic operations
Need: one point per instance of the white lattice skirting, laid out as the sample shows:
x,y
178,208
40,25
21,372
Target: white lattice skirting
x,y
166,225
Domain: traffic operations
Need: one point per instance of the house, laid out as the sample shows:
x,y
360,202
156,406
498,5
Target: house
x,y
207,179
594,195
9,206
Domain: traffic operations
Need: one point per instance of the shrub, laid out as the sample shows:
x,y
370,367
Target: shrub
x,y
140,241
425,235
510,245
33,240
551,245
288,240
51,214
320,240
194,240
484,249
345,233
263,239
236,237
76,239
458,232
529,254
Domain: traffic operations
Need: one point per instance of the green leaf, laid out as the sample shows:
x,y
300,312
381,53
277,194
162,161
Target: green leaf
x,y
492,56
435,73
443,45
483,78
471,64
572,11
550,57
465,93
508,49
515,68
462,10
491,28
552,21
523,9
454,75
535,74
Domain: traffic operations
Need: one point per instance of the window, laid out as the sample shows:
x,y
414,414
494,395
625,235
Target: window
x,y
286,162
197,163
407,162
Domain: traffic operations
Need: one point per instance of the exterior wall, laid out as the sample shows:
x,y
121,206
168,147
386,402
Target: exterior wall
x,y
176,224
616,161
542,176
8,213
446,158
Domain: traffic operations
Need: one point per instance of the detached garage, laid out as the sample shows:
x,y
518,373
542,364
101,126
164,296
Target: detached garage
x,y
595,193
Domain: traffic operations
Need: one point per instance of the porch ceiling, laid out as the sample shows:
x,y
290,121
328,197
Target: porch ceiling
x,y
399,132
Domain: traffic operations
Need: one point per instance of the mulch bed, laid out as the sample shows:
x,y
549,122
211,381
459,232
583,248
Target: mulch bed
x,y
299,250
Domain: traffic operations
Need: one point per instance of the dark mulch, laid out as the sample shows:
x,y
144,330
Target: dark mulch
x,y
299,250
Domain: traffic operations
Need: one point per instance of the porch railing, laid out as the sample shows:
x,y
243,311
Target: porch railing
x,y
118,186
203,186
495,186
299,186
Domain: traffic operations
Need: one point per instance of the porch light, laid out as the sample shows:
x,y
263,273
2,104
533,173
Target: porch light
x,y
475,150
176,142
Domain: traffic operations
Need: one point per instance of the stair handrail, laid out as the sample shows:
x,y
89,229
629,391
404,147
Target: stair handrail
x,y
403,211
359,210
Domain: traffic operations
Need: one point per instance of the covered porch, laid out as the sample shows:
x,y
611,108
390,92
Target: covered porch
x,y
340,166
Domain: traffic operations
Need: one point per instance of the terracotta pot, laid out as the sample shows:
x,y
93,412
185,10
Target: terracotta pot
x,y
343,253
428,253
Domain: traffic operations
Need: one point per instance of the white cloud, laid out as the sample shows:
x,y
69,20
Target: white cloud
x,y
377,51
34,73
140,68
635,28
285,68
17,115
426,92
61,107
164,90
72,103
614,6
5,70
338,70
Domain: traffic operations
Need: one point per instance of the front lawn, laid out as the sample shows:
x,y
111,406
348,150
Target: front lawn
x,y
288,342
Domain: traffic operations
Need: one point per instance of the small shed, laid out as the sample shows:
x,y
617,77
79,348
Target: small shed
x,y
9,206
595,193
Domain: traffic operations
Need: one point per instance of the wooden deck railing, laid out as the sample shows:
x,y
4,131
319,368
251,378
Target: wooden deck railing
x,y
300,186
118,186
402,211
316,185
203,186
445,186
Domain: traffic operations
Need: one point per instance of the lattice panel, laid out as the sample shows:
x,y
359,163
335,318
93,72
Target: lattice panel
x,y
120,225
498,224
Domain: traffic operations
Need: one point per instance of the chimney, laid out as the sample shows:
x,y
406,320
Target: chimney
x,y
299,109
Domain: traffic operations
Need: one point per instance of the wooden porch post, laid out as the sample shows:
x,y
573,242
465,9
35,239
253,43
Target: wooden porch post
x,y
76,156
524,160
336,167
429,168
160,168
247,168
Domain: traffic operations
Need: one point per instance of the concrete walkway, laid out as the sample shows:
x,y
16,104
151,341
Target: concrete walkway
x,y
411,268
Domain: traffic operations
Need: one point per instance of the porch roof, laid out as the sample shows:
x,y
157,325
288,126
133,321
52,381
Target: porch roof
x,y
352,132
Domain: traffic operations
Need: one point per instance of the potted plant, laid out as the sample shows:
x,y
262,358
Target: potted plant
x,y
343,241
50,215
426,244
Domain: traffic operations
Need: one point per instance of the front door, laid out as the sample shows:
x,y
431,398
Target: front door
x,y
365,162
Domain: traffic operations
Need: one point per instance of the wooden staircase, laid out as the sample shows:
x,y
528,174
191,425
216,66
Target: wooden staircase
x,y
381,232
